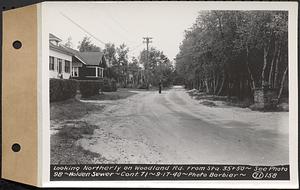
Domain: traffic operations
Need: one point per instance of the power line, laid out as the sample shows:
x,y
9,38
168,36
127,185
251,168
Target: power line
x,y
97,39
117,23
78,25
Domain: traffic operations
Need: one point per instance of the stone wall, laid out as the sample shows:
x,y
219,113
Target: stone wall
x,y
264,98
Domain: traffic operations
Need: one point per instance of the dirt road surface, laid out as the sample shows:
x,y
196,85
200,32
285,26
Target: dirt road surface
x,y
173,128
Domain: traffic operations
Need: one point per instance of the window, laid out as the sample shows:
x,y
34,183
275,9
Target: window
x,y
94,72
75,71
67,66
98,71
59,65
51,63
91,71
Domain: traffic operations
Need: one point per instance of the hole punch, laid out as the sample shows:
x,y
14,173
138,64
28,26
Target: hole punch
x,y
3,8
17,44
16,147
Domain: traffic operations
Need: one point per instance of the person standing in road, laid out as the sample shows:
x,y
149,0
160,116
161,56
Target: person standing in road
x,y
159,85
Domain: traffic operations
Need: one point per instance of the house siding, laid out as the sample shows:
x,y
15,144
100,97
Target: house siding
x,y
57,55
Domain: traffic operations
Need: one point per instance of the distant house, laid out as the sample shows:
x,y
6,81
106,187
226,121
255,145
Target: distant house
x,y
60,60
65,62
87,65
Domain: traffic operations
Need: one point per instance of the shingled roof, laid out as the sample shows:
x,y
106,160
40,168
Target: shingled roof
x,y
87,58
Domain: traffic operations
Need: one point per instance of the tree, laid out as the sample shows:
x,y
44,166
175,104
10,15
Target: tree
x,y
121,66
87,46
133,70
158,67
233,52
69,43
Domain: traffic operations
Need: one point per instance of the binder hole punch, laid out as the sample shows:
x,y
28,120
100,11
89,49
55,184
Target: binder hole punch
x,y
17,44
3,8
16,147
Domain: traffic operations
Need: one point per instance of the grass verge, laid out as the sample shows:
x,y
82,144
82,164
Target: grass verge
x,y
63,143
120,94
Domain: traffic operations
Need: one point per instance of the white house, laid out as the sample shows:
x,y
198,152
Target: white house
x,y
60,60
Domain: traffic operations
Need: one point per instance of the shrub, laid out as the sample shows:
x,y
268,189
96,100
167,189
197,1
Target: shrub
x,y
90,88
109,85
143,86
62,89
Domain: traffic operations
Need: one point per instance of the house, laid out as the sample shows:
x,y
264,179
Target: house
x,y
66,63
87,65
60,60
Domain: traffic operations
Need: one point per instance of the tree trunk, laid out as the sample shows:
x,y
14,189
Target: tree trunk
x,y
222,86
275,83
264,67
252,83
216,85
206,84
282,84
272,66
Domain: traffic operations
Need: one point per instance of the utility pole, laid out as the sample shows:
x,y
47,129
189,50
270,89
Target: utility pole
x,y
147,40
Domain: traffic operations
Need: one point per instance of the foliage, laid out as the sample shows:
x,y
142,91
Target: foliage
x,y
62,89
157,68
90,87
109,85
86,45
233,52
69,43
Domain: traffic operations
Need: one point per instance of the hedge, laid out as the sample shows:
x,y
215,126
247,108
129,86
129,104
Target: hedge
x,y
62,89
90,87
109,85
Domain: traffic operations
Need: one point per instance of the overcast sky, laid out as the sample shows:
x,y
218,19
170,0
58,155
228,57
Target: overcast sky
x,y
124,23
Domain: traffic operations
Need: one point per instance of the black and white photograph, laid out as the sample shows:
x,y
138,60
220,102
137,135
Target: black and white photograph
x,y
168,83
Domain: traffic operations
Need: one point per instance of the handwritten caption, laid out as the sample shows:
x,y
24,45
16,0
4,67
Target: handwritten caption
x,y
168,172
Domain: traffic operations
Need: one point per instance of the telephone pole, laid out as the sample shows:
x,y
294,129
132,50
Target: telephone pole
x,y
147,40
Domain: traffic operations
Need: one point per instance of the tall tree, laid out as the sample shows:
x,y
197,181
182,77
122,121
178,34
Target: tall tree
x,y
233,52
69,43
86,45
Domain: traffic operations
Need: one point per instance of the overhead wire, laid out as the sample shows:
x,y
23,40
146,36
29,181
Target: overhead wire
x,y
89,33
82,28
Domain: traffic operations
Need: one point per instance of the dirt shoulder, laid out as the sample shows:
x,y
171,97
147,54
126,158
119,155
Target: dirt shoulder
x,y
70,122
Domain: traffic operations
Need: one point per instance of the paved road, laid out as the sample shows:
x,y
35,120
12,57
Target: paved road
x,y
174,128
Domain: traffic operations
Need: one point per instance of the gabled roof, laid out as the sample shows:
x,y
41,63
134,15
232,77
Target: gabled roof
x,y
87,58
54,38
92,58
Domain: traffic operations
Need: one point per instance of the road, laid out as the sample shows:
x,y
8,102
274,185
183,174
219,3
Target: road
x,y
173,128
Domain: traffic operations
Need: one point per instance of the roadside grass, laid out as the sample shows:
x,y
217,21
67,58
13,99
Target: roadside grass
x,y
69,113
64,149
208,100
119,94
71,109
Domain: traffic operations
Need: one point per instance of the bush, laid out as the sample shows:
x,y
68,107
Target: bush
x,y
109,85
62,89
143,86
90,88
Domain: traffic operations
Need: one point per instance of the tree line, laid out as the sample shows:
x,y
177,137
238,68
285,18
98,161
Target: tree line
x,y
135,72
235,52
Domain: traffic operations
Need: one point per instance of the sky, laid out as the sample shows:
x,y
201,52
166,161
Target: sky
x,y
126,22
